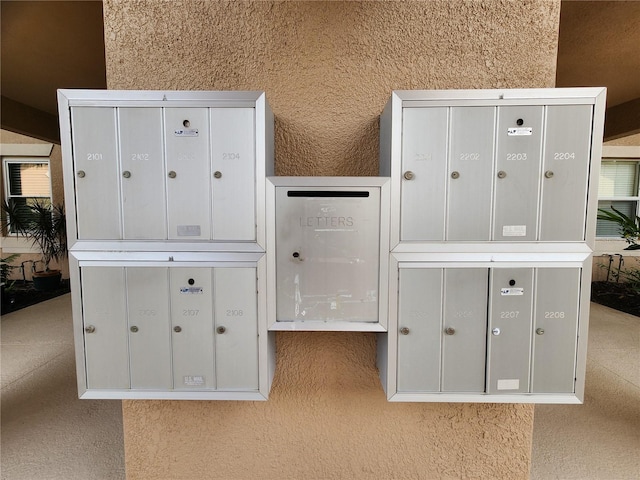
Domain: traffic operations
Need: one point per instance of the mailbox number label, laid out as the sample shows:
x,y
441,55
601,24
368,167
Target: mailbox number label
x,y
553,314
469,156
189,312
234,313
147,312
231,156
139,156
516,156
564,156
511,314
463,314
94,156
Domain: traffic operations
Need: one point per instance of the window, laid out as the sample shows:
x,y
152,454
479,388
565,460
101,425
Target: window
x,y
26,181
618,189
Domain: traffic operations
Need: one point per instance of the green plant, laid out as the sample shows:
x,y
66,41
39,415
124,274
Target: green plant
x,y
629,227
41,223
6,267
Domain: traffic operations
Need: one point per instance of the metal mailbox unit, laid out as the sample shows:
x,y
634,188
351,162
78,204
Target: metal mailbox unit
x,y
164,193
493,204
328,253
167,166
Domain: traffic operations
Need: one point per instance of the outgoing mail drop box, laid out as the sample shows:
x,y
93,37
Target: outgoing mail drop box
x,y
329,252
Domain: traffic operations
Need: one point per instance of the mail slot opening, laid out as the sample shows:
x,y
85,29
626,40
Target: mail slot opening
x,y
327,193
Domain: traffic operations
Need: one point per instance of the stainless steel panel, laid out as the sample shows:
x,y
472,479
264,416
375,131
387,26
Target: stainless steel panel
x,y
236,327
470,173
149,327
192,327
188,172
419,329
142,174
96,173
327,253
424,165
566,169
464,330
555,330
233,162
518,158
510,312
105,325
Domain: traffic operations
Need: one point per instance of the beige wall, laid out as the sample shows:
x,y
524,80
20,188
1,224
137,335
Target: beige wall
x,y
328,68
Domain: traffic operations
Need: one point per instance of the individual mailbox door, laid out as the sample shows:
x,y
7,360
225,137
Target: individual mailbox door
x,y
105,327
510,317
236,327
519,139
327,254
470,173
566,170
555,330
464,330
424,164
187,151
149,327
233,165
192,324
419,321
142,176
96,173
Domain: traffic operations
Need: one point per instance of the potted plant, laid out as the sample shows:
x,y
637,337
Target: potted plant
x,y
629,226
44,225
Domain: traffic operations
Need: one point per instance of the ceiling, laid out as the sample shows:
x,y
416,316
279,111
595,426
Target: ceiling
x,y
47,45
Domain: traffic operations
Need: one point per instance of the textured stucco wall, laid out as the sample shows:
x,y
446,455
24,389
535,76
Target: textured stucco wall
x,y
328,68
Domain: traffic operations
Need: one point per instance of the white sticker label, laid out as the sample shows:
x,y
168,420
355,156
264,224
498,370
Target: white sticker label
x,y
186,132
519,131
514,231
191,290
509,384
194,380
512,291
188,230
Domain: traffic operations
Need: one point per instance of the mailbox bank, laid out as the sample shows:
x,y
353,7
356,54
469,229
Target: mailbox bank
x,y
469,255
493,204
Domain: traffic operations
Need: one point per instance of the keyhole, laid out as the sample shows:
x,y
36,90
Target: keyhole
x,y
191,281
187,123
512,283
296,254
520,122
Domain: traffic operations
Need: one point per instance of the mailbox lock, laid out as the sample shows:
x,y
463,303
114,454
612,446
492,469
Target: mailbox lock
x,y
449,331
191,281
404,331
81,174
495,331
90,329
177,329
540,331
186,123
548,174
221,329
126,174
172,174
455,175
296,255
134,329
512,282
502,174
217,174
520,122
409,175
